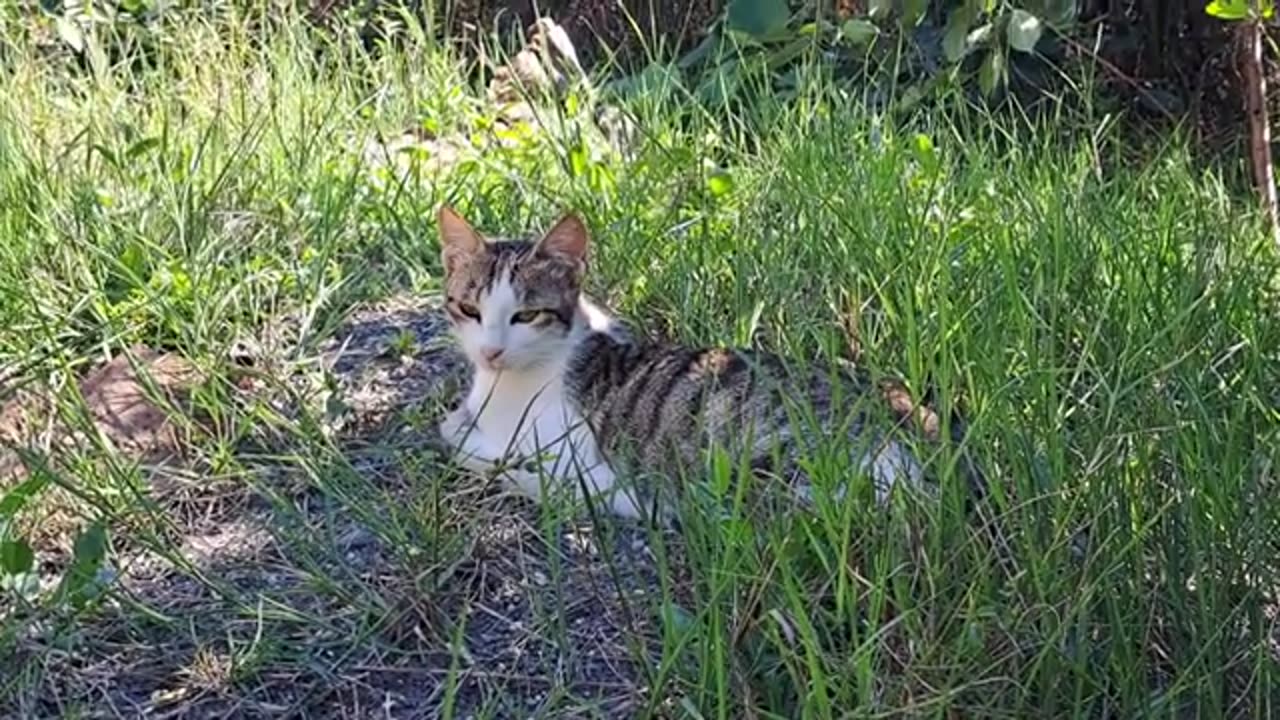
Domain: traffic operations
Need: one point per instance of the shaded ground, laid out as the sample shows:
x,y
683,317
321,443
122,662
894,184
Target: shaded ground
x,y
354,576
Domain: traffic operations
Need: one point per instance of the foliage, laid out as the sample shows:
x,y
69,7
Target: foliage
x,y
18,573
895,50
1241,9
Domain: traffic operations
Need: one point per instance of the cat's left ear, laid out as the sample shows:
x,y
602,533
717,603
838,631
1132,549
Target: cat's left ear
x,y
569,239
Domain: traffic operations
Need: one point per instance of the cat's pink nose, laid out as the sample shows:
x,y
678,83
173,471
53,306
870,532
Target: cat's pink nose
x,y
491,354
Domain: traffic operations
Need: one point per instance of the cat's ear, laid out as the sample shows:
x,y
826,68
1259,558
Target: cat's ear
x,y
458,241
568,239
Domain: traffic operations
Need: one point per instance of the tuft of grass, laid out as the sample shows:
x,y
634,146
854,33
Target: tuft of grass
x,y
1109,328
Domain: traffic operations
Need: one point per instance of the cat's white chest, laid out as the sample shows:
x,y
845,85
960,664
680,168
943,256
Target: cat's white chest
x,y
531,418
527,426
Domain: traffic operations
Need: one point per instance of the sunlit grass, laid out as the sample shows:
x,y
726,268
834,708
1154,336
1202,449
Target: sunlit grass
x,y
1110,328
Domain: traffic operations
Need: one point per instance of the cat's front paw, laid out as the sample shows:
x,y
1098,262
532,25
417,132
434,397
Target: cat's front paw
x,y
453,428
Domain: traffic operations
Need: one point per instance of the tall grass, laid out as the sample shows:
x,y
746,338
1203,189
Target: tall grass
x,y
1109,323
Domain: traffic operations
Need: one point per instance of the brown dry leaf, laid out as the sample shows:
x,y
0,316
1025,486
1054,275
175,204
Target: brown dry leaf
x,y
117,398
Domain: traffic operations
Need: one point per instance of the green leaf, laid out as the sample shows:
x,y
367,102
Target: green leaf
x,y
1023,31
926,155
16,557
913,11
786,53
879,8
859,32
17,498
761,19
981,35
90,548
953,40
1228,9
578,160
25,585
134,258
911,97
681,620
71,33
140,147
1059,13
992,71
655,83
720,183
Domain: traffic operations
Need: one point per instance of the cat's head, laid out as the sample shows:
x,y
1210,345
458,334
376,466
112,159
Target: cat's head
x,y
513,304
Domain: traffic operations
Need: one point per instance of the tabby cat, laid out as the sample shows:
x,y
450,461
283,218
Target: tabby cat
x,y
563,396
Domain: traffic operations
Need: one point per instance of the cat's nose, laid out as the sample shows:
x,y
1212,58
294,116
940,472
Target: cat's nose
x,y
491,354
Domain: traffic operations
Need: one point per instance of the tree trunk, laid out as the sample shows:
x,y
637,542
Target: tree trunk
x,y
1255,105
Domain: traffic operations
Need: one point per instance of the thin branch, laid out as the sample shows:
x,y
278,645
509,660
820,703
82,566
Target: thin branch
x,y
1255,104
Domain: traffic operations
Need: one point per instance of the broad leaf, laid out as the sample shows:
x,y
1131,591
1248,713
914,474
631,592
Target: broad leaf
x,y
1023,31
16,557
953,40
78,583
91,546
25,585
859,32
761,19
71,33
992,71
879,8
981,35
721,84
134,258
1228,9
710,45
913,11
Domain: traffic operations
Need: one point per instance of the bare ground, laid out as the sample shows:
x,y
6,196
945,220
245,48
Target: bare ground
x,y
351,574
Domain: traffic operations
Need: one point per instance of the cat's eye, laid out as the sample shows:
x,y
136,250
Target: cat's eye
x,y
468,310
525,316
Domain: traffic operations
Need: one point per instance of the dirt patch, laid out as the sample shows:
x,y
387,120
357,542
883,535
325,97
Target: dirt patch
x,y
127,402
133,408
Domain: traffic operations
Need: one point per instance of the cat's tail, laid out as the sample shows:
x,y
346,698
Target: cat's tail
x,y
922,418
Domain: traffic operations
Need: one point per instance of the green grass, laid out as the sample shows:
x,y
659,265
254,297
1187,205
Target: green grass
x,y
1110,323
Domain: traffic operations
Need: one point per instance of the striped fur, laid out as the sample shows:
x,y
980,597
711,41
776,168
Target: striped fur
x,y
582,405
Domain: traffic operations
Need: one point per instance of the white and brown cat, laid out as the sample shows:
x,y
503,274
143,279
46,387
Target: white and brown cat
x,y
562,397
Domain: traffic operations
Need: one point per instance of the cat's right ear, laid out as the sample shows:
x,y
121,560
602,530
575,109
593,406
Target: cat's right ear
x,y
458,241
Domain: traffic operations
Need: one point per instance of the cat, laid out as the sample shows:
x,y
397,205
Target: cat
x,y
563,396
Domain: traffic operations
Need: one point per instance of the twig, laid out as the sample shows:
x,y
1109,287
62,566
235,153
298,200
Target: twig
x,y
1119,74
